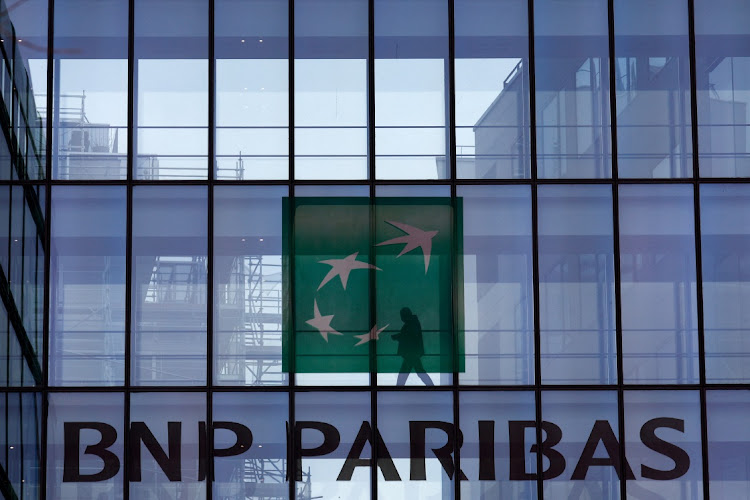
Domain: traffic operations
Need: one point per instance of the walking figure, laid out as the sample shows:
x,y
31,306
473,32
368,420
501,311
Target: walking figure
x,y
411,348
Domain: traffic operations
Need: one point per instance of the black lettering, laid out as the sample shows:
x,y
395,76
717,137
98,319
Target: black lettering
x,y
678,455
72,460
202,450
417,466
603,432
518,450
243,443
353,460
171,464
486,450
244,439
331,440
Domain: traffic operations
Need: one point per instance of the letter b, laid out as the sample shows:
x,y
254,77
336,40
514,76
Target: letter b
x,y
72,460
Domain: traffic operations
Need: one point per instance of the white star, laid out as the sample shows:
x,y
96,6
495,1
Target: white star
x,y
342,268
414,238
373,335
322,323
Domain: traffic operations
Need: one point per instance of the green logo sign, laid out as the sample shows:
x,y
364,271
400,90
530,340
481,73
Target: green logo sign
x,y
375,286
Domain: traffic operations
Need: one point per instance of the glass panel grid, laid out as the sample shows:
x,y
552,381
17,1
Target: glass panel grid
x,y
648,114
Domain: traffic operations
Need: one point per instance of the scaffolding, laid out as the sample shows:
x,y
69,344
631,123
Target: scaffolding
x,y
250,322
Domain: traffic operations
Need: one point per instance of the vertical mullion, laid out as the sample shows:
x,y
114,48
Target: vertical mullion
x,y
616,240
373,207
698,255
47,255
451,159
291,465
535,256
129,245
211,164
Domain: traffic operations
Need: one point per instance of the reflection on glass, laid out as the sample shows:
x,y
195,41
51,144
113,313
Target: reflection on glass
x,y
411,75
330,89
419,343
21,451
262,467
304,330
492,89
725,242
6,342
5,157
161,413
79,408
23,34
171,50
17,212
90,104
169,285
584,419
497,285
657,267
248,295
32,297
326,476
576,285
252,89
678,423
402,416
728,443
87,316
572,89
24,275
485,421
722,51
652,81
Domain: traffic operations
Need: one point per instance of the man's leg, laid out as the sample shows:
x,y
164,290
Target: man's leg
x,y
422,373
403,373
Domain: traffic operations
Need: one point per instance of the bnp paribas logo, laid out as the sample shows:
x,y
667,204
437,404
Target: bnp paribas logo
x,y
375,286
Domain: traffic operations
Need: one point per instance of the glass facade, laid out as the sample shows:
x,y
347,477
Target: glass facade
x,y
552,196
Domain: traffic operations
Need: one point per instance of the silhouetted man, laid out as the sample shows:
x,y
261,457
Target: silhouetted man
x,y
411,348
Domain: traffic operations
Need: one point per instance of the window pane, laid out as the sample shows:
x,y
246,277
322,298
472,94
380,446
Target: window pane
x,y
24,37
17,210
572,89
584,419
657,268
160,412
91,95
304,329
31,301
71,409
248,293
261,468
492,89
725,239
171,50
497,285
428,302
252,89
672,417
486,421
330,89
411,50
722,51
728,443
87,325
20,458
349,414
652,73
169,285
576,285
404,417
